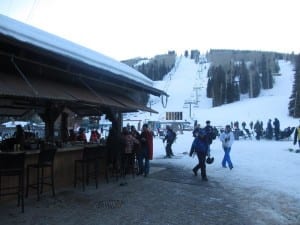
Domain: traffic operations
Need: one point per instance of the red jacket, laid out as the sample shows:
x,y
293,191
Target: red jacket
x,y
148,136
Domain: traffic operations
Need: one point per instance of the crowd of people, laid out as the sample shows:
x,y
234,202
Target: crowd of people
x,y
133,147
130,147
272,131
203,138
134,150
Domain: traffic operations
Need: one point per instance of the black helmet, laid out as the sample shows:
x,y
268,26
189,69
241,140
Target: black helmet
x,y
210,160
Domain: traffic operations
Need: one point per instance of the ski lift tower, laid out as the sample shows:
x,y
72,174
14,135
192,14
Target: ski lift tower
x,y
197,94
190,103
197,87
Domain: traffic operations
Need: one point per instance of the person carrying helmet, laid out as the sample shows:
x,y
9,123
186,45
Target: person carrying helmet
x,y
200,147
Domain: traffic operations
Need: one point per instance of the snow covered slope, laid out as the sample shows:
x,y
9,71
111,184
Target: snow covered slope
x,y
180,84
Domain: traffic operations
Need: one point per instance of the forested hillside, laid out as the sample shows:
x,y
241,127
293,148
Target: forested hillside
x,y
232,75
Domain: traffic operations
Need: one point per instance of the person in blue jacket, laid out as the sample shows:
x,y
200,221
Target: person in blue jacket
x,y
200,147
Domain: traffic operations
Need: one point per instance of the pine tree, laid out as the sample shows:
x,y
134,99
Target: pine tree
x,y
219,86
244,78
254,82
270,79
256,85
230,95
294,104
236,92
263,69
209,88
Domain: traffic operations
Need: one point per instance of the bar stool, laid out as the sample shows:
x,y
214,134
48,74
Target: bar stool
x,y
89,167
113,164
12,165
45,161
129,164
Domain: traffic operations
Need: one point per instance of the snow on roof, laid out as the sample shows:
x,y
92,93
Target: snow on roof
x,y
15,123
45,40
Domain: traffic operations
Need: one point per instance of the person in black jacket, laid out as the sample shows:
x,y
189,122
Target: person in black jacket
x,y
196,130
269,130
297,136
210,135
114,146
276,124
170,138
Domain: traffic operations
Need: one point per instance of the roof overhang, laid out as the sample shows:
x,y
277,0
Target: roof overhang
x,y
28,37
37,67
17,97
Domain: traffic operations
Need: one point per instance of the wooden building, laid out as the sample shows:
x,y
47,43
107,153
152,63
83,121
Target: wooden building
x,y
45,74
50,76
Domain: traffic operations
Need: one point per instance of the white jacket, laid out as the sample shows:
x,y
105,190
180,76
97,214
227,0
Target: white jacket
x,y
227,139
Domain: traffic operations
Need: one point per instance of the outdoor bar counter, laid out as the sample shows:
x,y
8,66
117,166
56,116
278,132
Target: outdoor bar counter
x,y
63,165
64,162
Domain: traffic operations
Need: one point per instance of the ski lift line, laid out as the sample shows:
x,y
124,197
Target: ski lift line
x,y
33,8
164,104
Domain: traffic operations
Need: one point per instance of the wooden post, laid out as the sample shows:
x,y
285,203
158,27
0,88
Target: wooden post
x,y
49,116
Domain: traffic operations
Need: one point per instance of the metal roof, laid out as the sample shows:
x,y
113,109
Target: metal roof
x,y
49,42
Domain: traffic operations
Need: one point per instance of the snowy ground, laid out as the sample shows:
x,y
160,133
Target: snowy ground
x,y
257,164
265,164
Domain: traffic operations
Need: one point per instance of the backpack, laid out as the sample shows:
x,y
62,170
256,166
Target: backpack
x,y
211,133
174,136
214,134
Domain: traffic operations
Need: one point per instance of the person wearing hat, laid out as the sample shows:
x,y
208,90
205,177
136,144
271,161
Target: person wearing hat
x,y
210,135
170,138
200,147
227,139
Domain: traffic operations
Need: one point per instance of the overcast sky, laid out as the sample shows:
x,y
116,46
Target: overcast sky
x,y
126,29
